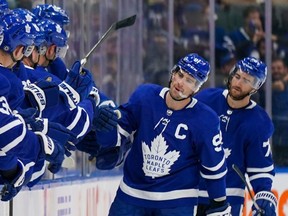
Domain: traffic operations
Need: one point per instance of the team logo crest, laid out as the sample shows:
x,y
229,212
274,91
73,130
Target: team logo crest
x,y
58,29
28,18
157,161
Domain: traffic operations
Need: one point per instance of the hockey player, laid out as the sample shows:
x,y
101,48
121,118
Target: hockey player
x,y
246,130
18,42
175,139
59,16
104,118
20,148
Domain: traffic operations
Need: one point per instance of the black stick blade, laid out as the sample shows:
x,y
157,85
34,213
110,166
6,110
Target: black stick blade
x,y
126,22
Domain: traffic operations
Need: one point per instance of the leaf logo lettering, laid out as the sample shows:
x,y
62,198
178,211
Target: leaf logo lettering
x,y
157,161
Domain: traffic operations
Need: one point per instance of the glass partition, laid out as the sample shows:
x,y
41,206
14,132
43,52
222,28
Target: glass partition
x,y
165,30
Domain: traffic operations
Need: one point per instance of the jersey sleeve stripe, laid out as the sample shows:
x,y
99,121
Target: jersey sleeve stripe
x,y
217,176
15,142
261,175
260,170
10,125
217,167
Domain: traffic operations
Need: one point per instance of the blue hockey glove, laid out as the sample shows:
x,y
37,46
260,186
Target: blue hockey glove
x,y
106,118
53,151
219,209
111,157
77,85
63,135
28,114
89,144
42,94
13,185
267,203
52,129
58,68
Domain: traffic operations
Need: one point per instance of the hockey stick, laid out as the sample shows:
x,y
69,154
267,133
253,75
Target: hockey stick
x,y
114,27
238,171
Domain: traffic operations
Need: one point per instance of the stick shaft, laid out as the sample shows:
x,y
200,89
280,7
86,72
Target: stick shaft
x,y
107,33
115,26
238,171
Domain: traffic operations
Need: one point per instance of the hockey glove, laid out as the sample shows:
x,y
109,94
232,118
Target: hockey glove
x,y
63,135
12,185
28,114
219,209
267,203
105,118
53,151
77,85
54,130
89,144
109,158
42,94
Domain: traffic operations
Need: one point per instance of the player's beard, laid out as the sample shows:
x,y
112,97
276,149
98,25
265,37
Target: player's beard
x,y
237,94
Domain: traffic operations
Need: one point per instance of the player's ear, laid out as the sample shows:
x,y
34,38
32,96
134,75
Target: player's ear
x,y
18,53
51,51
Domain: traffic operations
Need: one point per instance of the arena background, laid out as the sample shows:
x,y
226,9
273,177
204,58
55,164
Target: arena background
x,y
164,31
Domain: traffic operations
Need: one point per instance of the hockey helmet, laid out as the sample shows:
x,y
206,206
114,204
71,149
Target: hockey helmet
x,y
36,31
253,67
16,32
55,34
52,12
195,66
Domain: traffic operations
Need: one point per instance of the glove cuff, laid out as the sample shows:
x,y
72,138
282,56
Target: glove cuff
x,y
36,97
47,142
94,93
266,195
70,94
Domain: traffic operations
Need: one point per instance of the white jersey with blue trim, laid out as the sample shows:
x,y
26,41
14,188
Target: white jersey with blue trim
x,y
246,132
170,149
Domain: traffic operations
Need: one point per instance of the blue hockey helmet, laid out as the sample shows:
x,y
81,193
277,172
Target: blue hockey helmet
x,y
16,32
255,68
195,66
54,35
36,31
25,14
52,12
